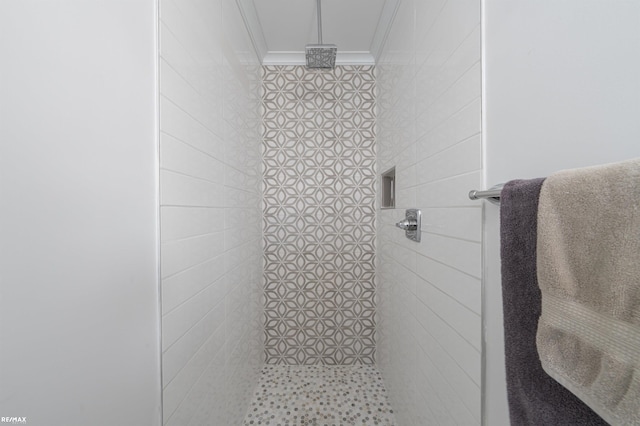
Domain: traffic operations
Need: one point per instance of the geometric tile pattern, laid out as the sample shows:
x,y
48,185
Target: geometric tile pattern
x,y
319,159
320,395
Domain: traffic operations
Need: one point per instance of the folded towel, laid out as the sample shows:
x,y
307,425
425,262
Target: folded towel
x,y
534,397
588,264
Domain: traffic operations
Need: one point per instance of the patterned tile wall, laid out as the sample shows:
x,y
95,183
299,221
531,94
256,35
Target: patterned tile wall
x,y
319,162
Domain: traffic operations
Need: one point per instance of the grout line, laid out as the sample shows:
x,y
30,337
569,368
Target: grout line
x,y
178,172
185,112
421,136
194,265
448,147
424,327
195,148
466,240
193,237
186,394
175,342
444,377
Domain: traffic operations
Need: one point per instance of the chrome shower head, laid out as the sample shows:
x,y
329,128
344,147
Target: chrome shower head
x,y
320,55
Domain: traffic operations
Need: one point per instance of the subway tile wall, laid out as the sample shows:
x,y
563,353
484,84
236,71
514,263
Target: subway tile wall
x,y
429,127
211,260
319,217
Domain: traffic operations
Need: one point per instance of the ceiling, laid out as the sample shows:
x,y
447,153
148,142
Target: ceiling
x,y
280,29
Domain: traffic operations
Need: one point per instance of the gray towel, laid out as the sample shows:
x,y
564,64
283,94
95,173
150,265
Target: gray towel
x,y
589,276
534,397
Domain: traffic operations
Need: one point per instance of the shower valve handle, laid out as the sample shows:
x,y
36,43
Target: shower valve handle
x,y
411,224
408,224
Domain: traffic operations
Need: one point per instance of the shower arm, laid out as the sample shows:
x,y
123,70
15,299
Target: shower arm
x,y
319,22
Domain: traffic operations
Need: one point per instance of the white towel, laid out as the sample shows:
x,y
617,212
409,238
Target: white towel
x,y
588,261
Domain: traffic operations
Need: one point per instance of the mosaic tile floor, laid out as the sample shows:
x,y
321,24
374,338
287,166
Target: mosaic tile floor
x,y
320,395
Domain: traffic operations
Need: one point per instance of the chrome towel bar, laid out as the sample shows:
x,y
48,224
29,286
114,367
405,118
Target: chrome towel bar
x,y
492,194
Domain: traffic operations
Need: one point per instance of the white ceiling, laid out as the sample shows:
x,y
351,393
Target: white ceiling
x,y
280,29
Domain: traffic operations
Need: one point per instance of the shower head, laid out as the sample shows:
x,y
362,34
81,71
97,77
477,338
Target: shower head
x,y
320,55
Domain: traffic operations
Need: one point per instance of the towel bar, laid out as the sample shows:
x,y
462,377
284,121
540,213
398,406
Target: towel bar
x,y
492,194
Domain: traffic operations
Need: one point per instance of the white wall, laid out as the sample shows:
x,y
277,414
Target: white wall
x,y
429,344
210,213
561,90
79,296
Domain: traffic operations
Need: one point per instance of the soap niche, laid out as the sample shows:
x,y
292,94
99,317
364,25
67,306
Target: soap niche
x,y
388,183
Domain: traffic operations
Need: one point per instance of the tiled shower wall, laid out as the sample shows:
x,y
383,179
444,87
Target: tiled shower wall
x,y
429,96
319,218
210,213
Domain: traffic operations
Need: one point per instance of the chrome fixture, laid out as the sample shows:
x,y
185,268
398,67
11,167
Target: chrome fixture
x,y
411,224
492,194
320,55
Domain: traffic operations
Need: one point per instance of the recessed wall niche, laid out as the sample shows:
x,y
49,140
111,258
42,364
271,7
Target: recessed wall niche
x,y
388,184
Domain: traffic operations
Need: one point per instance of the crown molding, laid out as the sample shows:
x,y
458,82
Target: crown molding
x,y
389,11
298,58
252,23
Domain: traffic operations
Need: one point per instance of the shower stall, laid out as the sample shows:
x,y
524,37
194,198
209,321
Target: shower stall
x,y
314,271
189,217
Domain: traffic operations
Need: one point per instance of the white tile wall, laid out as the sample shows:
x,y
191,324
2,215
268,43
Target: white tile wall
x,y
210,213
430,292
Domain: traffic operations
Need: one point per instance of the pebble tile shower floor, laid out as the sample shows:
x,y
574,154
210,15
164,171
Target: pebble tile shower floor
x,y
320,395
